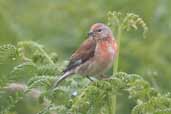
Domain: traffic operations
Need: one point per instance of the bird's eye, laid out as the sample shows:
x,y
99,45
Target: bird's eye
x,y
99,30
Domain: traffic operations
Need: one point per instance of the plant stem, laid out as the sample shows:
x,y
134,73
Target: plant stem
x,y
112,104
112,98
116,62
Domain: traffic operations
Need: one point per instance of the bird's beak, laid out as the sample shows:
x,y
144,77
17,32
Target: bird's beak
x,y
91,33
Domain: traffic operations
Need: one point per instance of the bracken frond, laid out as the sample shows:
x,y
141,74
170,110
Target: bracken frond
x,y
97,94
8,52
128,21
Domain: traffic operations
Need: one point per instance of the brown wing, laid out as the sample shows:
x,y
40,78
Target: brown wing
x,y
81,55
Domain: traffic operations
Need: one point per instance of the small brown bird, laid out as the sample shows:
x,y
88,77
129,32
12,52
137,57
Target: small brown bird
x,y
94,56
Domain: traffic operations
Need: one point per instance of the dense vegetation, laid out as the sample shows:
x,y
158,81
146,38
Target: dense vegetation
x,y
28,68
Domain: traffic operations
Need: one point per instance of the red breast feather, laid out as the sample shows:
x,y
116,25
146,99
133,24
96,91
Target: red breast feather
x,y
107,48
102,60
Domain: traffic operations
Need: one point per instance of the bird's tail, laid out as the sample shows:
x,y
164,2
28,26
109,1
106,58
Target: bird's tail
x,y
63,77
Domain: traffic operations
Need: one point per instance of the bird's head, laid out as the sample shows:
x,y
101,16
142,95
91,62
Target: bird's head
x,y
100,31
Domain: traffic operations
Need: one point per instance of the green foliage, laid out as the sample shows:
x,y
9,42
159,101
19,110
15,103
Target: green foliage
x,y
71,97
27,69
27,65
147,99
9,101
8,52
38,69
126,22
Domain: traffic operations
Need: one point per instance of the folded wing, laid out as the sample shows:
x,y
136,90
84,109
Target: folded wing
x,y
84,53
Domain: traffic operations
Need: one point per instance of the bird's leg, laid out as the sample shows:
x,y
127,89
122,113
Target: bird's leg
x,y
104,77
90,79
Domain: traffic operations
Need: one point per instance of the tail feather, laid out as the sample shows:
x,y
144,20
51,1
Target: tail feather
x,y
63,77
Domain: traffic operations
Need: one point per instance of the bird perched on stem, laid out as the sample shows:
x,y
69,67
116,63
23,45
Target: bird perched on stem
x,y
95,55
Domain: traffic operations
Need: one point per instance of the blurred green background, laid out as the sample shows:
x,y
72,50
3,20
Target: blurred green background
x,y
61,25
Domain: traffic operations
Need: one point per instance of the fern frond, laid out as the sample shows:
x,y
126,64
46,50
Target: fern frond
x,y
8,52
40,81
34,47
155,105
128,21
97,94
47,69
10,101
94,97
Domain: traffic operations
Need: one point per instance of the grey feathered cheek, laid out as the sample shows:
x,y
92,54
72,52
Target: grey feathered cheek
x,y
104,34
